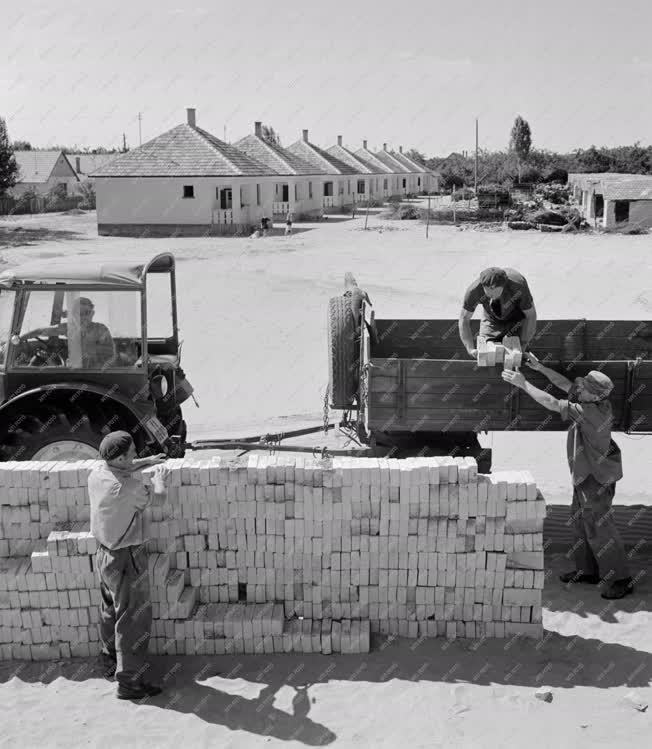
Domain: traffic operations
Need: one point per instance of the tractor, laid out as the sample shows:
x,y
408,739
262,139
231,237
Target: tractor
x,y
88,347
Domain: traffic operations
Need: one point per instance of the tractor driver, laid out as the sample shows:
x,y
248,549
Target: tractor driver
x,y
508,308
97,347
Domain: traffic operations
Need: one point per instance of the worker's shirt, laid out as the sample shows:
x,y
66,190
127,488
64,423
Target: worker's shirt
x,y
97,345
117,500
591,450
516,298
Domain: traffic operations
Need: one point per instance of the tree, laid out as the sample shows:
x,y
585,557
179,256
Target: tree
x,y
22,145
520,142
87,190
416,156
271,135
8,165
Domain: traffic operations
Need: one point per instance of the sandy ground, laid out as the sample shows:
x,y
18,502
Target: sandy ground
x,y
252,313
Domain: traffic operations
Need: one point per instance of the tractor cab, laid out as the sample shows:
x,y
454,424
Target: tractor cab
x,y
88,346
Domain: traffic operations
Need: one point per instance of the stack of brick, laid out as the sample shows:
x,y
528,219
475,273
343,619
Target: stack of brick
x,y
275,554
508,353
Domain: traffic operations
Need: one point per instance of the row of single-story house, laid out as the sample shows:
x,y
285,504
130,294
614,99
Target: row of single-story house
x,y
187,181
614,200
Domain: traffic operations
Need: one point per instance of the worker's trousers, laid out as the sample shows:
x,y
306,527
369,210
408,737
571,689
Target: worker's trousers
x,y
125,610
598,548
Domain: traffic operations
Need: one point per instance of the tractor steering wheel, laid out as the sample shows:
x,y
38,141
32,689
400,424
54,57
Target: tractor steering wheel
x,y
40,352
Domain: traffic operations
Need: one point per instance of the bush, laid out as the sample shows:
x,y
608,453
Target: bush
x,y
466,193
374,202
555,218
557,175
394,199
402,212
23,203
87,191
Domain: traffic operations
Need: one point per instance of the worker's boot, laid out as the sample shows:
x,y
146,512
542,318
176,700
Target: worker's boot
x,y
138,691
619,589
579,577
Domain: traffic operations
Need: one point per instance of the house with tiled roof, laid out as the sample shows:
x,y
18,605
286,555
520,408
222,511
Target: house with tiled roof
x,y
385,182
401,174
41,171
338,184
425,181
183,182
85,164
365,181
627,202
298,189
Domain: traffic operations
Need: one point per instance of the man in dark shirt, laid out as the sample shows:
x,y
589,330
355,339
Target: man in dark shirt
x,y
595,464
508,308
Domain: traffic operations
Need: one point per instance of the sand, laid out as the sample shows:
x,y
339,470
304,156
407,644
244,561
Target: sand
x,y
253,313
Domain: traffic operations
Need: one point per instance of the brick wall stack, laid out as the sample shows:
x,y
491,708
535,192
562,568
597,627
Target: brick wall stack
x,y
281,553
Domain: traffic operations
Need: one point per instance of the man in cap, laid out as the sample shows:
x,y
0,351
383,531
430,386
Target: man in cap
x,y
508,308
595,464
97,347
117,499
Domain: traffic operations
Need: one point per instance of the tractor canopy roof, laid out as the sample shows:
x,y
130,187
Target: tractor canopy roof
x,y
91,270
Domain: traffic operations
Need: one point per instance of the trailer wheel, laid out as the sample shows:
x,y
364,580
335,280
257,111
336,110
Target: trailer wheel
x,y
343,351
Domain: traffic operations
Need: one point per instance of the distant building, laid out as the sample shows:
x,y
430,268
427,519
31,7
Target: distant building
x,y
384,183
299,187
614,200
400,173
338,182
85,164
427,180
41,171
364,180
183,182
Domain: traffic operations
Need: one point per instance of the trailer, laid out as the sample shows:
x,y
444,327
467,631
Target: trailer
x,y
411,383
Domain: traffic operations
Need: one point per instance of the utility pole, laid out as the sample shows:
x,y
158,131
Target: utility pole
x,y
124,143
140,131
225,132
475,180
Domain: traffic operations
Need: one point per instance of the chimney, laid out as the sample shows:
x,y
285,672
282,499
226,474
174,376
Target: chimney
x,y
191,116
339,140
400,149
258,129
305,136
384,146
78,164
364,144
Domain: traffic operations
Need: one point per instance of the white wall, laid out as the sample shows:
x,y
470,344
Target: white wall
x,y
640,215
125,200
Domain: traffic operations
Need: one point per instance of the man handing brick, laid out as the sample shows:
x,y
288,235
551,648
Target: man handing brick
x,y
595,464
508,308
117,499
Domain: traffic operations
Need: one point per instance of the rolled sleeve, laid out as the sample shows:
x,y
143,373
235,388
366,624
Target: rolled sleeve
x,y
472,297
571,411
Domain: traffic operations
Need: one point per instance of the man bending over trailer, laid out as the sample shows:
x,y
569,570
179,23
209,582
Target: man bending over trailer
x,y
595,464
508,308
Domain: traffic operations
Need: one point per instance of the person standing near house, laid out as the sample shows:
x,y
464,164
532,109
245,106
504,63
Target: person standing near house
x,y
508,308
117,500
288,224
595,463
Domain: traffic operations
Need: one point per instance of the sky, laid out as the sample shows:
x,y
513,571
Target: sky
x,y
415,74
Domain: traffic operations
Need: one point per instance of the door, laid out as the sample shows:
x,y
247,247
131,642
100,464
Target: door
x,y
226,199
286,193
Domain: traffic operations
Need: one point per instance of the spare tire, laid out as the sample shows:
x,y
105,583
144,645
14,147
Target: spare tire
x,y
343,349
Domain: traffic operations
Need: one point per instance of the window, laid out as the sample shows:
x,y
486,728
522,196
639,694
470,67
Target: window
x,y
361,189
286,193
257,194
418,181
159,306
79,330
296,191
7,297
328,189
348,187
404,183
64,187
310,190
188,191
622,211
385,184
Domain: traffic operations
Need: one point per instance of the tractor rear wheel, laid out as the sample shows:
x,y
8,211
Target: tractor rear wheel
x,y
343,351
56,432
